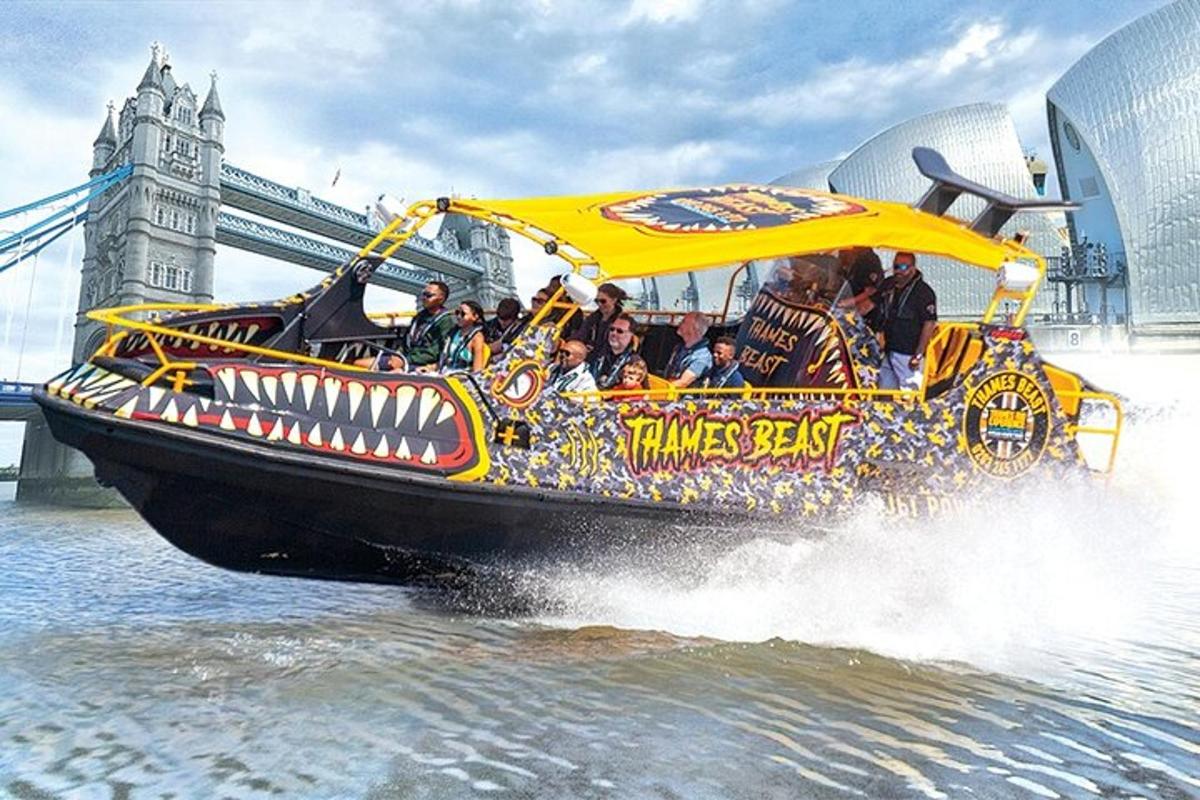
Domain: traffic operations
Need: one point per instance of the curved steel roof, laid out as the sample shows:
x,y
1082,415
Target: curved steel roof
x,y
1134,102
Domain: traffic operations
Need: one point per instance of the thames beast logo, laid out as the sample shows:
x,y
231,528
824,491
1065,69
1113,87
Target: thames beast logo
x,y
726,208
680,442
1007,424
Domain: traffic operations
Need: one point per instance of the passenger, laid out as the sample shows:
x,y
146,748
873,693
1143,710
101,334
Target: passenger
x,y
430,327
502,330
607,362
536,303
864,273
724,372
426,334
634,377
908,314
594,330
571,374
571,328
691,359
465,348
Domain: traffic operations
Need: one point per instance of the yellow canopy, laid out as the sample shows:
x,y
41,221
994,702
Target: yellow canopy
x,y
636,234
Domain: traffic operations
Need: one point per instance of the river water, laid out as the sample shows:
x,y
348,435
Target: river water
x,y
1044,645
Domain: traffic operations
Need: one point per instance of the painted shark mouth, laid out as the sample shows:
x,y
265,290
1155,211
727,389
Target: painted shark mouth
x,y
781,344
244,330
726,208
521,385
426,424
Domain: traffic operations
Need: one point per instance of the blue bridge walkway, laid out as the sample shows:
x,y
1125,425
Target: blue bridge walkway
x,y
16,401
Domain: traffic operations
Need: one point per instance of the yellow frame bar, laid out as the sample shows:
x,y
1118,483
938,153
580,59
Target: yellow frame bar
x,y
1114,432
746,392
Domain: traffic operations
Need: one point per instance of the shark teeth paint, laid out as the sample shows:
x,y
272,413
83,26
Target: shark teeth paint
x,y
355,392
308,385
288,381
404,398
333,390
379,398
429,401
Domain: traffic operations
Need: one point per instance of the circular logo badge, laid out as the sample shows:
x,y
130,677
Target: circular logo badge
x,y
1007,424
726,208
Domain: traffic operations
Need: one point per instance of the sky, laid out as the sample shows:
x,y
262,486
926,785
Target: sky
x,y
501,99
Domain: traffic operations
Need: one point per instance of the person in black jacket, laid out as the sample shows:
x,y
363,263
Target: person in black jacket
x,y
908,310
594,331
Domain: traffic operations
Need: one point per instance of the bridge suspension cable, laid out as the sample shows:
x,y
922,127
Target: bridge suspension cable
x,y
34,238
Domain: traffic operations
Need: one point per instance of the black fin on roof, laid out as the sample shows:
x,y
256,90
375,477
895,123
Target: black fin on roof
x,y
948,185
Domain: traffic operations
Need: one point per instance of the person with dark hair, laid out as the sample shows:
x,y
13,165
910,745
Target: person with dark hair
x,y
430,327
536,303
594,331
864,274
606,362
465,347
909,316
724,373
571,328
503,329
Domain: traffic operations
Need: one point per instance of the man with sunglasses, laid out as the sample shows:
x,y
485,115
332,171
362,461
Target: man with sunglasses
x,y
503,329
608,361
909,316
430,327
570,373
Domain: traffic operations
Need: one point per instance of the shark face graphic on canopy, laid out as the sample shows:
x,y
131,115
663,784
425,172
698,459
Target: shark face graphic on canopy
x,y
726,208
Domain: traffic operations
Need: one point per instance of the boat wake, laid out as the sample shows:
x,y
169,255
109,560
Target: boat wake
x,y
999,584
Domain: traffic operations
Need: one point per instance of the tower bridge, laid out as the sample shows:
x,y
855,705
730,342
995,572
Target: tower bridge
x,y
151,236
298,208
249,234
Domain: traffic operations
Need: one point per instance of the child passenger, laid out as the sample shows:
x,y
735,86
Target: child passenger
x,y
634,384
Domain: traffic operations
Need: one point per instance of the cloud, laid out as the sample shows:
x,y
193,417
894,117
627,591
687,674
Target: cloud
x,y
661,11
858,88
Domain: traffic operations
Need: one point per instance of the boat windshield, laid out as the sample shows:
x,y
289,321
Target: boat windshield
x,y
813,280
788,337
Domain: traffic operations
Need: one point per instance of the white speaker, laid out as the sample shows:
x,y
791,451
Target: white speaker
x,y
580,289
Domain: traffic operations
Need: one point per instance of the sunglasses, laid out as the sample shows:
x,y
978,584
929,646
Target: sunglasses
x,y
620,331
902,266
602,300
458,312
428,294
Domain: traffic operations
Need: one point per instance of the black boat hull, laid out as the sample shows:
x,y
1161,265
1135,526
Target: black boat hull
x,y
253,508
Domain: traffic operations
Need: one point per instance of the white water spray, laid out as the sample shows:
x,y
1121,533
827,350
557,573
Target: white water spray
x,y
999,584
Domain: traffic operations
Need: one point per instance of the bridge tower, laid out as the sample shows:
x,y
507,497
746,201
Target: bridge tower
x,y
491,247
153,237
149,239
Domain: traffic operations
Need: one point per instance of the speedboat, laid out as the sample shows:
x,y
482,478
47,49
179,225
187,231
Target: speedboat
x,y
246,435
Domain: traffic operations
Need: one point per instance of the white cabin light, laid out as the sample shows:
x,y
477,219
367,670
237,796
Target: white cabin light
x,y
1016,276
580,290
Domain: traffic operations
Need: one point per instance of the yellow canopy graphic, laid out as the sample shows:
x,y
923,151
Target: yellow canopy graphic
x,y
637,234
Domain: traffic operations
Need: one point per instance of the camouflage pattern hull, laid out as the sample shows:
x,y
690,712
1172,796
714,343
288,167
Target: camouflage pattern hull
x,y
340,474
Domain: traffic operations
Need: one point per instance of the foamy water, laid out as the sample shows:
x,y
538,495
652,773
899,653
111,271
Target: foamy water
x,y
997,584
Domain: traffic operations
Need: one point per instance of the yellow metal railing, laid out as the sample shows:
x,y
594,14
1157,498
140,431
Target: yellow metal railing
x,y
119,326
1114,432
669,393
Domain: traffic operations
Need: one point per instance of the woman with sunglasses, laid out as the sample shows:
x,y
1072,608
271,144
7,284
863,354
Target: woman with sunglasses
x,y
465,347
594,332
